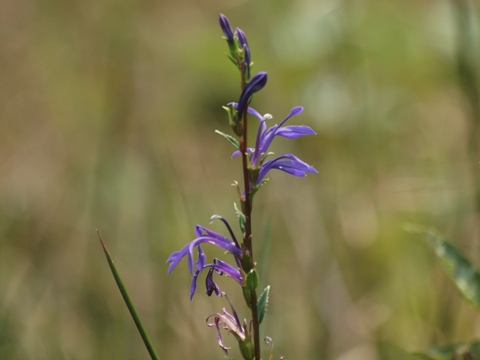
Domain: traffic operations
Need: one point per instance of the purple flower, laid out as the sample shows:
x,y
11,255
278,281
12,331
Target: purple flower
x,y
288,162
226,28
257,83
205,235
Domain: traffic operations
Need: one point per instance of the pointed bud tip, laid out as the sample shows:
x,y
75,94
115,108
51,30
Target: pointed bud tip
x,y
226,28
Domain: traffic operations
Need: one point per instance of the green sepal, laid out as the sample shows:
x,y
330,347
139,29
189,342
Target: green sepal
x,y
253,174
451,352
242,220
262,304
458,269
230,138
230,114
252,280
235,51
247,349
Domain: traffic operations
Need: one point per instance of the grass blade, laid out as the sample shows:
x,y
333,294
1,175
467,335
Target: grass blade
x,y
128,302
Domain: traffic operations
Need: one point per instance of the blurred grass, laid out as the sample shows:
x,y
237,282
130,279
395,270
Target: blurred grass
x,y
108,114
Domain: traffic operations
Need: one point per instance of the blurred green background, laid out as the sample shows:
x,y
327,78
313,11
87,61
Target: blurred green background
x,y
108,110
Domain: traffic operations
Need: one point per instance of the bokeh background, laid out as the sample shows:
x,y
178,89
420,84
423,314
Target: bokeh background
x,y
108,110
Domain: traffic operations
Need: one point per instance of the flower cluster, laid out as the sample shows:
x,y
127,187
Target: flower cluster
x,y
255,165
238,45
288,163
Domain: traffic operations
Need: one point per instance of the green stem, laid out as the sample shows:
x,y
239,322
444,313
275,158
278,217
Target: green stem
x,y
128,302
248,225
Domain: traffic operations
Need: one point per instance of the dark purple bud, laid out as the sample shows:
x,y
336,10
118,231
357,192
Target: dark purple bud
x,y
242,39
211,286
226,28
257,83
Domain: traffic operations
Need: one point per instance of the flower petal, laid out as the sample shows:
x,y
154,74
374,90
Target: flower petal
x,y
193,285
227,269
187,250
288,163
269,135
255,113
294,131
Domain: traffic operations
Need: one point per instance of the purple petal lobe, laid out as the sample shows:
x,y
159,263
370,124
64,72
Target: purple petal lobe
x,y
288,163
294,131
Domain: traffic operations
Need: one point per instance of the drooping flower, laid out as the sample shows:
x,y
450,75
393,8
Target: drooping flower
x,y
288,163
228,322
231,323
205,235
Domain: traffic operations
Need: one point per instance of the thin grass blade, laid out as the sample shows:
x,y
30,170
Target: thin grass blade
x,y
128,302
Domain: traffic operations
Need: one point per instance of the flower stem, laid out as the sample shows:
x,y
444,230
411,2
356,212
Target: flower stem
x,y
248,225
128,302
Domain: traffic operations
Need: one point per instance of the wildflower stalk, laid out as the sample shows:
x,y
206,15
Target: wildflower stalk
x,y
248,239
255,167
128,302
248,224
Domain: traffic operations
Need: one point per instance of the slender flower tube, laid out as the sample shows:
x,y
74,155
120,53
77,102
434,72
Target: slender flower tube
x,y
256,84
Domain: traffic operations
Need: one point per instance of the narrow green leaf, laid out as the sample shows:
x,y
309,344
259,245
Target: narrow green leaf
x,y
262,304
230,138
457,268
241,218
252,280
128,301
451,352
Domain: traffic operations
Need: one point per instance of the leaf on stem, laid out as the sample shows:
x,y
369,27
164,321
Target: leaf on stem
x,y
252,280
451,352
241,218
230,138
262,304
457,268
